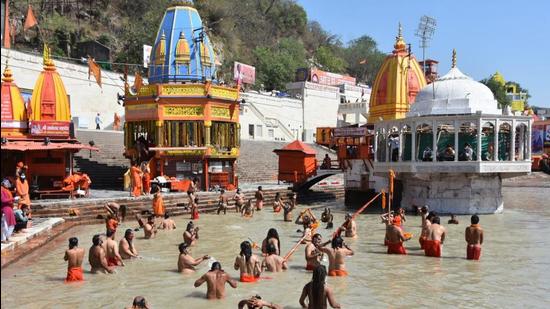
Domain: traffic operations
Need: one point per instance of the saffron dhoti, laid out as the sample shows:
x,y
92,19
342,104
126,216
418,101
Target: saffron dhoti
x,y
473,252
74,274
396,248
338,273
432,248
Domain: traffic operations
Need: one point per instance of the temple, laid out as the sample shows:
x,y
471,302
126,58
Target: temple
x,y
182,123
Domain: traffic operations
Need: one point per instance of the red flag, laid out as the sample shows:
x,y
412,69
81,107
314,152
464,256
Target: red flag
x,y
30,21
93,68
7,41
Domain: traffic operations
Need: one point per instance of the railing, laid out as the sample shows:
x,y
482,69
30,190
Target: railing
x,y
262,117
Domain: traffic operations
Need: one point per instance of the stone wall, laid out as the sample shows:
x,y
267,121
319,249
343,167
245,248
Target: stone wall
x,y
453,193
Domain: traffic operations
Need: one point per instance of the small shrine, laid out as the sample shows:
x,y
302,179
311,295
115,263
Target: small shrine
x,y
297,162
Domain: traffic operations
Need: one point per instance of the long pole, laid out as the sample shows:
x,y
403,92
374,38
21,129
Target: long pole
x,y
287,256
365,206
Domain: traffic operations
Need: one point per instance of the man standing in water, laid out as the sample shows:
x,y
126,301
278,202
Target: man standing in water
x,y
149,228
259,195
126,246
248,263
395,239
239,200
96,257
222,202
273,262
74,256
435,238
215,282
168,223
191,234
336,256
247,210
317,292
474,238
313,254
349,227
426,217
111,248
186,263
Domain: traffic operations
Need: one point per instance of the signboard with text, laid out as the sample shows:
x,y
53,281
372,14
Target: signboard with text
x,y
331,79
50,128
244,73
350,132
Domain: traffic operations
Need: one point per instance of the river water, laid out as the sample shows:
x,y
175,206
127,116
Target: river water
x,y
513,271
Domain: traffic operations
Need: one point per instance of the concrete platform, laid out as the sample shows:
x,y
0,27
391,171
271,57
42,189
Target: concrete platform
x,y
39,226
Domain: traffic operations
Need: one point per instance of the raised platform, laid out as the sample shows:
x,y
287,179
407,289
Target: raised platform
x,y
39,227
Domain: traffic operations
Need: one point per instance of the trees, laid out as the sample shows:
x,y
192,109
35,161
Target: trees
x,y
499,91
359,50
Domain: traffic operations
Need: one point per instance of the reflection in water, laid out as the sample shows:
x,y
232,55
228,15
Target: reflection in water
x,y
513,270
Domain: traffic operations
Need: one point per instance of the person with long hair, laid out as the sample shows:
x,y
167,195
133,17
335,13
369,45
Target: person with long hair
x,y
272,238
278,203
126,246
317,291
248,263
336,256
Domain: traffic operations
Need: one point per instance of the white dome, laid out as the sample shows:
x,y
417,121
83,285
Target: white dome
x,y
454,93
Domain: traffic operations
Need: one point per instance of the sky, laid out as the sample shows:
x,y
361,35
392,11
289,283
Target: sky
x,y
512,37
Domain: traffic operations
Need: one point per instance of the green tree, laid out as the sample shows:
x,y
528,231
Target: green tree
x,y
519,89
499,91
328,61
360,50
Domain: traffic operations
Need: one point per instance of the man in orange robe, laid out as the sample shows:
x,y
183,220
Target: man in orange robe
x,y
146,179
158,205
135,174
22,190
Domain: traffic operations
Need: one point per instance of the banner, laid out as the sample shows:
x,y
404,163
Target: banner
x,y
330,79
50,128
146,55
244,73
547,136
350,132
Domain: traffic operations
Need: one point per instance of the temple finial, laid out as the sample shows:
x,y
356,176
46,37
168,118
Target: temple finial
x,y
454,59
399,31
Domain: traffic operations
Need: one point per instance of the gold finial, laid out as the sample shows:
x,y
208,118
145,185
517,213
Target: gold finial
x,y
454,58
399,41
48,63
163,36
399,31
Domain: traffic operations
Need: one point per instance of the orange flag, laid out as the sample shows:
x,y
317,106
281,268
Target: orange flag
x,y
138,82
93,68
30,21
7,41
383,199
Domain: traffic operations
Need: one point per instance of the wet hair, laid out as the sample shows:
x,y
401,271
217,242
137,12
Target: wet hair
x,y
474,219
272,233
96,240
222,191
24,206
277,195
246,250
435,220
189,226
126,236
238,190
216,266
316,235
259,187
127,233
139,302
166,215
110,233
318,286
271,249
182,247
431,215
151,218
73,242
337,242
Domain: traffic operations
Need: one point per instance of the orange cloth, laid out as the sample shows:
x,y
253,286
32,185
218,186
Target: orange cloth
x,y
473,252
74,274
195,215
84,182
277,209
158,206
112,261
259,204
421,240
396,248
432,248
69,183
136,180
310,267
338,273
147,182
248,278
22,189
112,224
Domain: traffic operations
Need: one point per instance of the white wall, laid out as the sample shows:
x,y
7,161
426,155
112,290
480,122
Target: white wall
x,y
86,98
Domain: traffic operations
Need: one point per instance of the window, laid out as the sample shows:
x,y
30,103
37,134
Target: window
x,y
224,135
259,130
270,133
251,130
183,133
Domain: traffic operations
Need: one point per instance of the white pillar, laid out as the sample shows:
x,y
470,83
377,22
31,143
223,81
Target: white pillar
x,y
521,151
401,145
495,139
375,146
479,148
413,142
434,141
513,142
529,137
456,127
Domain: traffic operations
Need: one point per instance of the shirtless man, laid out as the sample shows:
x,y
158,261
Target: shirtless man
x,y
149,228
349,227
186,263
215,282
195,209
474,238
317,292
395,238
126,246
139,303
327,218
239,200
313,254
278,203
96,257
259,195
272,238
111,250
336,256
453,220
248,263
425,225
168,223
247,210
435,238
222,202
256,302
74,256
191,234
273,262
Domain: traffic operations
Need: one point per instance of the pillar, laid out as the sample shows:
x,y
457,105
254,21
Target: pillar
x,y
457,128
529,137
413,142
205,175
375,147
479,148
207,132
521,151
496,139
159,132
434,141
513,142
401,145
